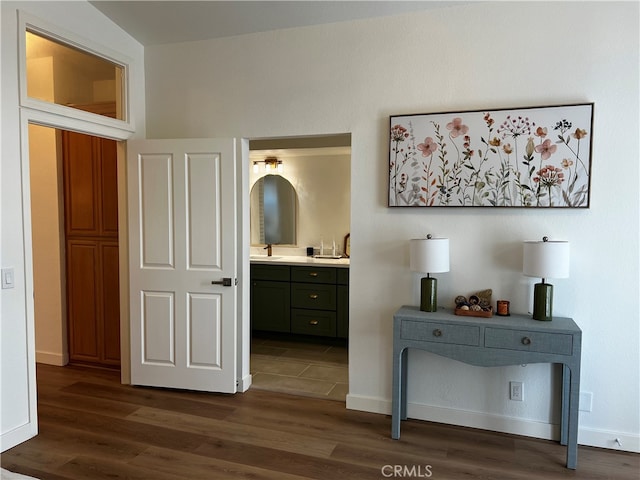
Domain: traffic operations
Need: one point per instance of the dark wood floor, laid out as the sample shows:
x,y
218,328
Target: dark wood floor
x,y
91,427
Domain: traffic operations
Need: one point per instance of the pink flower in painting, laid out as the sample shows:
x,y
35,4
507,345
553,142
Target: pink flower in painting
x,y
398,133
457,128
546,149
549,176
428,147
566,163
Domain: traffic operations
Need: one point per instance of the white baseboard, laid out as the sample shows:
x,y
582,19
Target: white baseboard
x,y
626,442
244,383
18,435
49,358
498,423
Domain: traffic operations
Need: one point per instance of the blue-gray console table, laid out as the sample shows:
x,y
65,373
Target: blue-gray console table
x,y
490,342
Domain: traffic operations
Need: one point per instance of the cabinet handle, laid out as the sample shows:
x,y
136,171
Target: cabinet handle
x,y
313,322
526,341
437,332
313,296
313,274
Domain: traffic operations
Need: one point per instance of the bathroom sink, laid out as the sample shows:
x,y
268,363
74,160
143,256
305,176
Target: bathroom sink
x,y
263,257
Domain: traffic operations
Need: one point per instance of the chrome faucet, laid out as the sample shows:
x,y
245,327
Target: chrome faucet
x,y
269,249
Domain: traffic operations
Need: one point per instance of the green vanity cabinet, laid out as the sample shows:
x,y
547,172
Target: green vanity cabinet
x,y
313,301
318,299
342,308
271,298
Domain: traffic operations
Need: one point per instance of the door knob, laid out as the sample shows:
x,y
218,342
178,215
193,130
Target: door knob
x,y
225,282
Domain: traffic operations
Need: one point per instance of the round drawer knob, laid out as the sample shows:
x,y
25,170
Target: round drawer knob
x,y
526,341
437,332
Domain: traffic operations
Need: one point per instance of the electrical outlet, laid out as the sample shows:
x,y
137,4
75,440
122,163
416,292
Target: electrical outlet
x,y
516,391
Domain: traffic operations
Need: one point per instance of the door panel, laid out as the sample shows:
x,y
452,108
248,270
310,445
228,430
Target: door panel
x,y
158,328
155,205
82,262
81,178
111,303
203,326
203,220
182,237
109,191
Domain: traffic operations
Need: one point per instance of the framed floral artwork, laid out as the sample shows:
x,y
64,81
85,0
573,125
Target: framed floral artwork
x,y
533,157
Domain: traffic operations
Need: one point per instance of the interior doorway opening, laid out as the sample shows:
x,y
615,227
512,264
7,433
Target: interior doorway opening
x,y
74,223
296,347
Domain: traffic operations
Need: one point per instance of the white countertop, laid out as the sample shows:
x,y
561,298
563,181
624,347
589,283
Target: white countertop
x,y
299,260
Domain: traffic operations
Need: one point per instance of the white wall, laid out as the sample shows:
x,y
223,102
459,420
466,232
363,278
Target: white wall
x,y
349,77
321,178
18,407
47,240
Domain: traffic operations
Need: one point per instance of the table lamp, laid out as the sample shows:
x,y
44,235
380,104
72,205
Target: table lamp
x,y
545,259
429,255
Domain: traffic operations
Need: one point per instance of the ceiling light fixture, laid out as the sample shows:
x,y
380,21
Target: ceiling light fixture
x,y
271,165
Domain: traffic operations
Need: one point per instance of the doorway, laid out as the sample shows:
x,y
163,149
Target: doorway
x,y
74,200
286,355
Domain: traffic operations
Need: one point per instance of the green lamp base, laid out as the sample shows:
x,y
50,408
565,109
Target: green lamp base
x,y
542,301
428,294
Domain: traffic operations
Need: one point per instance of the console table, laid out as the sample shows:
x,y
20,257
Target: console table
x,y
490,342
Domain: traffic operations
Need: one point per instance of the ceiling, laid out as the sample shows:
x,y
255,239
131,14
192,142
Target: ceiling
x,y
161,22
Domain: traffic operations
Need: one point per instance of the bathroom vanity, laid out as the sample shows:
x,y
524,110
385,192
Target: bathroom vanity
x,y
300,295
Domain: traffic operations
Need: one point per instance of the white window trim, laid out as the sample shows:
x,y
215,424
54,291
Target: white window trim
x,y
73,118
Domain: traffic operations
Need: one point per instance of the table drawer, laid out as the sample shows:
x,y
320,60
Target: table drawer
x,y
313,322
313,274
556,343
440,333
306,295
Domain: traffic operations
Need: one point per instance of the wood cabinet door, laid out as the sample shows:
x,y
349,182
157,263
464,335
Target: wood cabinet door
x,y
91,230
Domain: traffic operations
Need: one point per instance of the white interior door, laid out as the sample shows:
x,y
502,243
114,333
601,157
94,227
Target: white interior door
x,y
182,230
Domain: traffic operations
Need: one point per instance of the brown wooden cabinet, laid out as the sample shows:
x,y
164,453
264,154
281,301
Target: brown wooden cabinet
x,y
91,231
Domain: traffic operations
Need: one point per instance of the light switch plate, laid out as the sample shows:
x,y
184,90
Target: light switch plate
x,y
8,278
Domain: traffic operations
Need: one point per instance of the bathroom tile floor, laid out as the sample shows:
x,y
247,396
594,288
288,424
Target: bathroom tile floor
x,y
300,368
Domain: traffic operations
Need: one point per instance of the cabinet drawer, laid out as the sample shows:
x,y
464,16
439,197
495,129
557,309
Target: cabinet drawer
x,y
440,332
313,274
279,273
313,322
557,343
305,295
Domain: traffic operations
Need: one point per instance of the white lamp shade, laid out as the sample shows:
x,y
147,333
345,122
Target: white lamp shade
x,y
429,255
546,259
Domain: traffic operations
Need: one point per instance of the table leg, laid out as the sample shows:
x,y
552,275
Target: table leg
x,y
403,390
574,400
398,396
564,423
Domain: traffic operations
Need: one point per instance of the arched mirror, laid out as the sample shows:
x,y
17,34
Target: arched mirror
x,y
273,211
